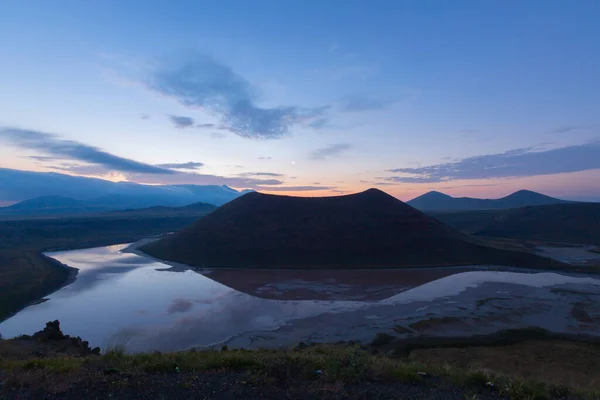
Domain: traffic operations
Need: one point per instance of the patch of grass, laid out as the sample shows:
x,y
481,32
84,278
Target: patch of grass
x,y
58,365
393,370
381,339
570,291
432,323
336,364
402,330
520,390
480,303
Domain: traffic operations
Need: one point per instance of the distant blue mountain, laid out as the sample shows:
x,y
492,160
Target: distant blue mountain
x,y
53,193
437,201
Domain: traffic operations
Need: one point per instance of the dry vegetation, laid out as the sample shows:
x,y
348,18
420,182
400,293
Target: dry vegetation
x,y
513,370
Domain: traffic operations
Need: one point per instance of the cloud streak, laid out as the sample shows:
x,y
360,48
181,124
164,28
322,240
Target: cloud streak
x,y
571,128
206,126
329,151
360,103
181,122
273,174
511,164
294,188
176,178
200,81
50,144
187,165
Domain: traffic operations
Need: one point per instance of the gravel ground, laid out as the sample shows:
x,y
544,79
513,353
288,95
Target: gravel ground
x,y
228,385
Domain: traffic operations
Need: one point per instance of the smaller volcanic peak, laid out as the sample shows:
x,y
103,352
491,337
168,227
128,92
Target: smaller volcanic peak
x,y
434,194
362,230
436,201
530,198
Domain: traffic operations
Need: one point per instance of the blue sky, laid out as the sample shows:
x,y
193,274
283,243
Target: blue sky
x,y
476,98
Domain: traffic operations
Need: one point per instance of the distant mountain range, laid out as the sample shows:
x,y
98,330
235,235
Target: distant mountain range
x,y
437,201
46,193
103,206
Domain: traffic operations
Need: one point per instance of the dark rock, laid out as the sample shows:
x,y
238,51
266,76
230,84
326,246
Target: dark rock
x,y
51,340
300,346
381,339
111,371
51,332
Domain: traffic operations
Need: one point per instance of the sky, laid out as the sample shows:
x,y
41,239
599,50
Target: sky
x,y
471,98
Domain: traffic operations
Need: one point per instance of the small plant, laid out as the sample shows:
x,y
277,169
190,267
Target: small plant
x,y
381,339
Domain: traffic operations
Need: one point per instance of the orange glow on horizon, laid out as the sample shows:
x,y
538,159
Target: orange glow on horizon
x,y
566,185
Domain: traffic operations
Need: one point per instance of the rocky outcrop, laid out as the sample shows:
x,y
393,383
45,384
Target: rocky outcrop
x,y
49,342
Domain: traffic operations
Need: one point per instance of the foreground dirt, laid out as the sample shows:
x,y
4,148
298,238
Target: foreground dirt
x,y
225,385
51,365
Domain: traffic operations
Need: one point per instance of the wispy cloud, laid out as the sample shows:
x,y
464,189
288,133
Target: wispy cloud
x,y
329,151
42,158
145,116
176,178
571,128
202,82
187,165
261,174
363,102
346,68
206,125
377,183
294,188
48,143
513,163
218,135
181,122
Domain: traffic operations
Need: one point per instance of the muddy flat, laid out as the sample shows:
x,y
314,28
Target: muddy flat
x,y
122,299
361,285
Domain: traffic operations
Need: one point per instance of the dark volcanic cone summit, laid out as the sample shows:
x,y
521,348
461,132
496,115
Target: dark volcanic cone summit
x,y
367,229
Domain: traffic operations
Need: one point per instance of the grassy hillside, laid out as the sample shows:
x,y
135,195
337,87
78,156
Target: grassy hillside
x,y
568,223
526,364
577,223
468,221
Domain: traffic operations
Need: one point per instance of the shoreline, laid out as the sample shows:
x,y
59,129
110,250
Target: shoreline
x,y
71,277
460,304
134,248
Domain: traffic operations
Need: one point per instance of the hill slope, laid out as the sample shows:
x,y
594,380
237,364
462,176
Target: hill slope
x,y
436,201
368,229
568,223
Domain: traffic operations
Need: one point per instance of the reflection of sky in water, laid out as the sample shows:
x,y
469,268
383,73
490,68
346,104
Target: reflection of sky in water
x,y
121,298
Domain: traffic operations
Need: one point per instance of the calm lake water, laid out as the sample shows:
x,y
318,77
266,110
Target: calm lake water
x,y
123,299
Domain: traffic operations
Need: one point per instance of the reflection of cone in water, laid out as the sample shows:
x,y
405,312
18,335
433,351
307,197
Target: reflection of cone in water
x,y
365,230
